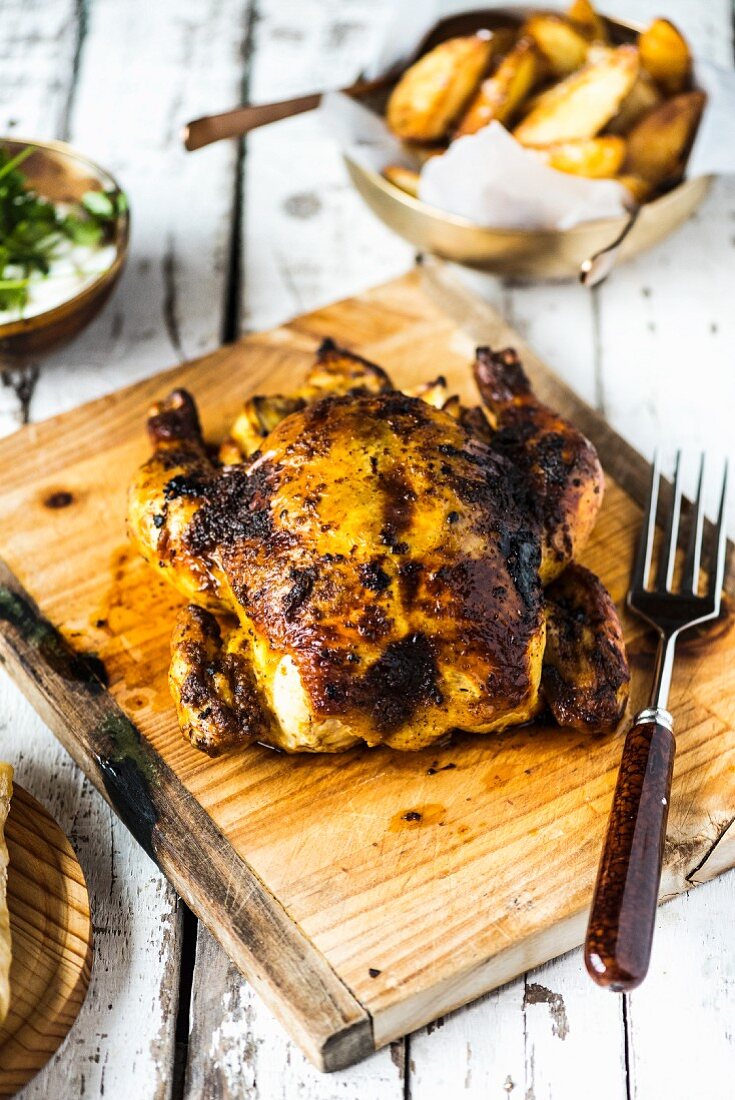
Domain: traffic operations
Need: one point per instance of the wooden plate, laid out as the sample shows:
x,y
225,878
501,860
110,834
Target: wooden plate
x,y
52,941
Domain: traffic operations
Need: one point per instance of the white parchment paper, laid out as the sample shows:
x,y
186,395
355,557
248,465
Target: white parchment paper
x,y
488,177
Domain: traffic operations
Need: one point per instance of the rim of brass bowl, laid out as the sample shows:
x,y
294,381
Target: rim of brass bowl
x,y
522,253
53,327
554,254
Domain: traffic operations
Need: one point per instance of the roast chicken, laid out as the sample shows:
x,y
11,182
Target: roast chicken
x,y
368,565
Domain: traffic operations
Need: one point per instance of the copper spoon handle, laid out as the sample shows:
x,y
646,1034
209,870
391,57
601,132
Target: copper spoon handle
x,y
241,120
618,944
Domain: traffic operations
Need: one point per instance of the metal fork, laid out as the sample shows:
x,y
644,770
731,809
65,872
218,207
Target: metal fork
x,y
620,930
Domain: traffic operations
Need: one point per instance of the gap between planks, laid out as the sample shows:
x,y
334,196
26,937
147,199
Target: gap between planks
x,y
230,333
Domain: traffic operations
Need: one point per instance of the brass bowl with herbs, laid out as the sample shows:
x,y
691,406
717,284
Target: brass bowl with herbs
x,y
64,229
590,95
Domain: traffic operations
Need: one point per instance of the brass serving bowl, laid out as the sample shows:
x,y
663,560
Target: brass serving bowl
x,y
60,174
520,253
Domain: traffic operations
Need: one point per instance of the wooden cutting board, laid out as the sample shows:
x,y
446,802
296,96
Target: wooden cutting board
x,y
51,931
363,894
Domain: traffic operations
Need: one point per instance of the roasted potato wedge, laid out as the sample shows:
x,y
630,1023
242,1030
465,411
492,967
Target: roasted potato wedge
x,y
563,48
659,144
580,106
665,56
503,40
500,96
550,94
642,98
422,153
583,16
432,93
405,178
639,189
596,158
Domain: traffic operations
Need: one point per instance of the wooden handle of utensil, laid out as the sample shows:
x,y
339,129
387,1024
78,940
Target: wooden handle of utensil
x,y
241,120
618,944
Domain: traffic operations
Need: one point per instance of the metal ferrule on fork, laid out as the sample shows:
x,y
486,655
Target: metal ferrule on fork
x,y
655,714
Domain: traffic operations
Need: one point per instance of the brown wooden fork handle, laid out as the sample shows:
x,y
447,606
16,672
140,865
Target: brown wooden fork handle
x,y
620,931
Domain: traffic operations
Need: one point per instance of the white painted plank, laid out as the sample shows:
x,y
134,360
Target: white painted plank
x,y
147,68
37,47
559,321
134,912
574,1034
681,1018
307,237
478,1052
239,1051
667,327
537,1038
38,40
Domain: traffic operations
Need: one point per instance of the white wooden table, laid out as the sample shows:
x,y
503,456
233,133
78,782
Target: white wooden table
x,y
225,241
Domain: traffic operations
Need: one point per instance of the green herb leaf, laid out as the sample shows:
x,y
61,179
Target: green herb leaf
x,y
11,164
13,293
99,204
82,232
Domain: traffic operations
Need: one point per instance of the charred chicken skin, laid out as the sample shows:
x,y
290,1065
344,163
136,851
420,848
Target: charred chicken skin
x,y
370,565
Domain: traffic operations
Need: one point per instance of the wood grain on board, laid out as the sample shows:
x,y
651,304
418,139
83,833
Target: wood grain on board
x,y
343,913
51,931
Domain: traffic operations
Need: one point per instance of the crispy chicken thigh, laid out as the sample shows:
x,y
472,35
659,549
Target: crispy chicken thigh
x,y
369,565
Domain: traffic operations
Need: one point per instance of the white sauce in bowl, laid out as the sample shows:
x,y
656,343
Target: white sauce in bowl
x,y
73,268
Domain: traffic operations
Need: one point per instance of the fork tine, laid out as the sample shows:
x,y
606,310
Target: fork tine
x,y
717,573
665,570
690,576
642,564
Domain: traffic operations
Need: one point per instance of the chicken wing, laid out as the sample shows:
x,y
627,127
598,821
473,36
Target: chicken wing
x,y
585,672
564,476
